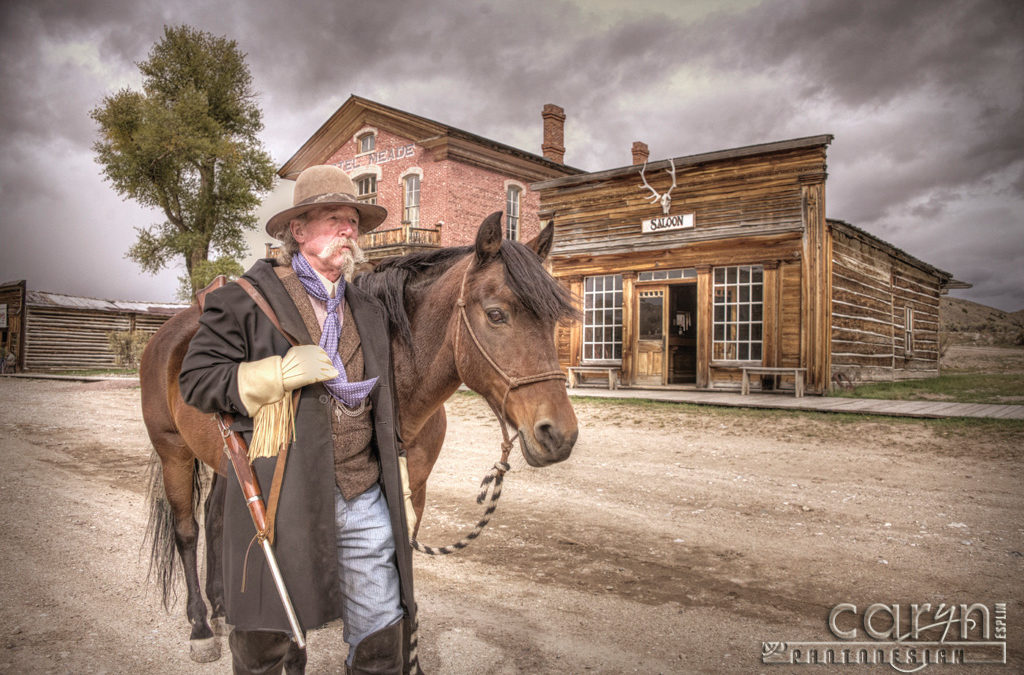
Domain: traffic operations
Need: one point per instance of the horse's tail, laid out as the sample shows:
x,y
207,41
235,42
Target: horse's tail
x,y
160,528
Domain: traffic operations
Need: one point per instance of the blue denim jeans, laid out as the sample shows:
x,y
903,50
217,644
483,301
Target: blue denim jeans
x,y
366,560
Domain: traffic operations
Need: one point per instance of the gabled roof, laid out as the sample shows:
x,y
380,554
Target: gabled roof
x,y
446,142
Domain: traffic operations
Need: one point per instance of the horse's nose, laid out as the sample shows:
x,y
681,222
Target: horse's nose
x,y
557,442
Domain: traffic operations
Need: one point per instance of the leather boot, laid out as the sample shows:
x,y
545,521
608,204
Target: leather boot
x,y
379,653
255,652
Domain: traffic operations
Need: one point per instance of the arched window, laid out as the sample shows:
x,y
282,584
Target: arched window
x,y
512,199
411,200
367,142
366,187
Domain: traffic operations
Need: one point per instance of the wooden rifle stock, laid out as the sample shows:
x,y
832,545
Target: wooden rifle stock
x,y
238,453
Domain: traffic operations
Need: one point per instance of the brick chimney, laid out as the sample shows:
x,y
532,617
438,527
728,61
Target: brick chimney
x,y
640,152
553,145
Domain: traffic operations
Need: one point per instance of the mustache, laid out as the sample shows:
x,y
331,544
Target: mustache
x,y
338,244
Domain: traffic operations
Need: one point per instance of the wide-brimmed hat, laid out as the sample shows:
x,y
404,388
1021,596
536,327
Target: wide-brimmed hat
x,y
326,185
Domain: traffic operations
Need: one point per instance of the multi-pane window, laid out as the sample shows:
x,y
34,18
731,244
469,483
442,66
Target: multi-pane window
x,y
411,200
366,186
367,142
512,212
738,313
908,331
602,318
664,275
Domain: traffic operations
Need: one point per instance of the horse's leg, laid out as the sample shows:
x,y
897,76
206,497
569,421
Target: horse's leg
x,y
214,548
422,452
180,485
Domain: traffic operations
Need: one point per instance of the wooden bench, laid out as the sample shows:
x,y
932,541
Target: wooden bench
x,y
797,373
610,372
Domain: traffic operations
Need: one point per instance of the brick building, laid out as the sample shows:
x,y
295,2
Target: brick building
x,y
437,182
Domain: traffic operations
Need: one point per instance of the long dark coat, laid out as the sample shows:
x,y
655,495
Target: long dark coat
x,y
233,329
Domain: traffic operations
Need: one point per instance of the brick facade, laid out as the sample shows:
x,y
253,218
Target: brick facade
x,y
463,177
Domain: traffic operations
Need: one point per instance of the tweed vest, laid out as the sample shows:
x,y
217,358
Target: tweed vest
x,y
356,467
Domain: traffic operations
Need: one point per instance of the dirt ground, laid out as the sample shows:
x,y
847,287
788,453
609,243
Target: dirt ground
x,y
674,540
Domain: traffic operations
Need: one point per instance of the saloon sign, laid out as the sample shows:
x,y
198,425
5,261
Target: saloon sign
x,y
677,222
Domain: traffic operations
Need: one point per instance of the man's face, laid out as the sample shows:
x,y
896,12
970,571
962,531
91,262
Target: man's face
x,y
328,239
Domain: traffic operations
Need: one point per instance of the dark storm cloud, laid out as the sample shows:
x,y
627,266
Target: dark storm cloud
x,y
925,100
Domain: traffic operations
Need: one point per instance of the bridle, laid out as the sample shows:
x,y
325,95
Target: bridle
x,y
510,381
492,481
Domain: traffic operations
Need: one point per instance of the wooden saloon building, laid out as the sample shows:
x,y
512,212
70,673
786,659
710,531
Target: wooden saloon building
x,y
738,267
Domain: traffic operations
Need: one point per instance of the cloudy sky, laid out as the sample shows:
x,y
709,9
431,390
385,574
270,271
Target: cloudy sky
x,y
925,100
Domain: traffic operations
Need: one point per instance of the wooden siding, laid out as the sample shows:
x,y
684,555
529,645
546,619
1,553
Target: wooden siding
x,y
60,338
759,195
870,292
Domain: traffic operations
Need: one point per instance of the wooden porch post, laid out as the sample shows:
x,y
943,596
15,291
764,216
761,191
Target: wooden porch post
x,y
705,312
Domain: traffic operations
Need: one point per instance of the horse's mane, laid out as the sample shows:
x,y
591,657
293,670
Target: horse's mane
x,y
538,292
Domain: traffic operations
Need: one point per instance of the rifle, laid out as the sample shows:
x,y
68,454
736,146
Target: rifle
x,y
236,450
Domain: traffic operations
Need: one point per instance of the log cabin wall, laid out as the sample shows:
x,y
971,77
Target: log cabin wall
x,y
751,210
70,333
12,332
876,288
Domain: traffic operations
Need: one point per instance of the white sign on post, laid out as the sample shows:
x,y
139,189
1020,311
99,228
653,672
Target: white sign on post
x,y
678,222
3,315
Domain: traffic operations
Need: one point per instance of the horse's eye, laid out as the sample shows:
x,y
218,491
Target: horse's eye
x,y
496,315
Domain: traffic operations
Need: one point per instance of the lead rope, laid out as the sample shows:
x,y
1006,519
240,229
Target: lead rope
x,y
492,481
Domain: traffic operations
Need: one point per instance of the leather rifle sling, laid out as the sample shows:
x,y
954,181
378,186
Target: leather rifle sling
x,y
282,457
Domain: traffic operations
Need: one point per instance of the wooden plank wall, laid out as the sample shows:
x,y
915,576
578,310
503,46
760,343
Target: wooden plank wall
x,y
61,338
759,193
870,291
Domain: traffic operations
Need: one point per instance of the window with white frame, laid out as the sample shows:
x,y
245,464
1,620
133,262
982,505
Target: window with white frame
x,y
366,188
738,321
512,199
411,200
602,318
908,330
367,142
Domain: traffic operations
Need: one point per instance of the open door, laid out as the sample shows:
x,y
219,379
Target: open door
x,y
652,313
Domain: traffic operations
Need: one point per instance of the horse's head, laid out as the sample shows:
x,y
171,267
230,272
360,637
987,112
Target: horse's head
x,y
505,341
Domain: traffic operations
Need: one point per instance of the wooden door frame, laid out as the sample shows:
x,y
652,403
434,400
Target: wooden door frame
x,y
635,344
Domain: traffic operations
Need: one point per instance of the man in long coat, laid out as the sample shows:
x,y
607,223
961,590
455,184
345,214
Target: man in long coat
x,y
341,527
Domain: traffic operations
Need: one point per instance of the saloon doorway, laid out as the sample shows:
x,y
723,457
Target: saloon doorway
x,y
666,336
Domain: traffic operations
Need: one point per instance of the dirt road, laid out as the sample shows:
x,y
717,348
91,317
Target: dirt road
x,y
675,539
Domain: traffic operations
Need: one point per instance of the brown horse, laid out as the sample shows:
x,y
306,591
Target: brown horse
x,y
507,331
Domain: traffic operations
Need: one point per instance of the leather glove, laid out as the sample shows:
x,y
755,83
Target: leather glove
x,y
410,512
306,364
267,380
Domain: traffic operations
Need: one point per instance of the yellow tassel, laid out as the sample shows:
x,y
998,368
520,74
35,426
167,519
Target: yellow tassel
x,y
273,428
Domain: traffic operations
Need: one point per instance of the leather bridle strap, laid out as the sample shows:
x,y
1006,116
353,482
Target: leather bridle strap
x,y
510,381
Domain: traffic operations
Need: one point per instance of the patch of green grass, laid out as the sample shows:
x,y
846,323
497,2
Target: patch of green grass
x,y
958,387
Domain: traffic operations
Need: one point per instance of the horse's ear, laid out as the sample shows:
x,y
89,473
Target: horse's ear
x,y
488,238
541,244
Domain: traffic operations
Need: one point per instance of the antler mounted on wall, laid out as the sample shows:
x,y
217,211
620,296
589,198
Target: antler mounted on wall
x,y
665,199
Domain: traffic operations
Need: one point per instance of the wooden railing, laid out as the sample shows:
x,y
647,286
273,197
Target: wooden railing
x,y
419,236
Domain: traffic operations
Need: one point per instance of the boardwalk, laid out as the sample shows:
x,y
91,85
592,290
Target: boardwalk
x,y
864,406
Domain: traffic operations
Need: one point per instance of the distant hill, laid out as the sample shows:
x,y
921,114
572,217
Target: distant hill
x,y
968,322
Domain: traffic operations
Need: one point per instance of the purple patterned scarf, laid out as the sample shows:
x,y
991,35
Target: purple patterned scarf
x,y
350,394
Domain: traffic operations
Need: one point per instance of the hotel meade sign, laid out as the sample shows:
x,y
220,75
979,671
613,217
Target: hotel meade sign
x,y
681,221
379,157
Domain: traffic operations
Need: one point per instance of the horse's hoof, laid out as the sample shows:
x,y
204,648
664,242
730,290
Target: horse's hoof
x,y
220,626
204,650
